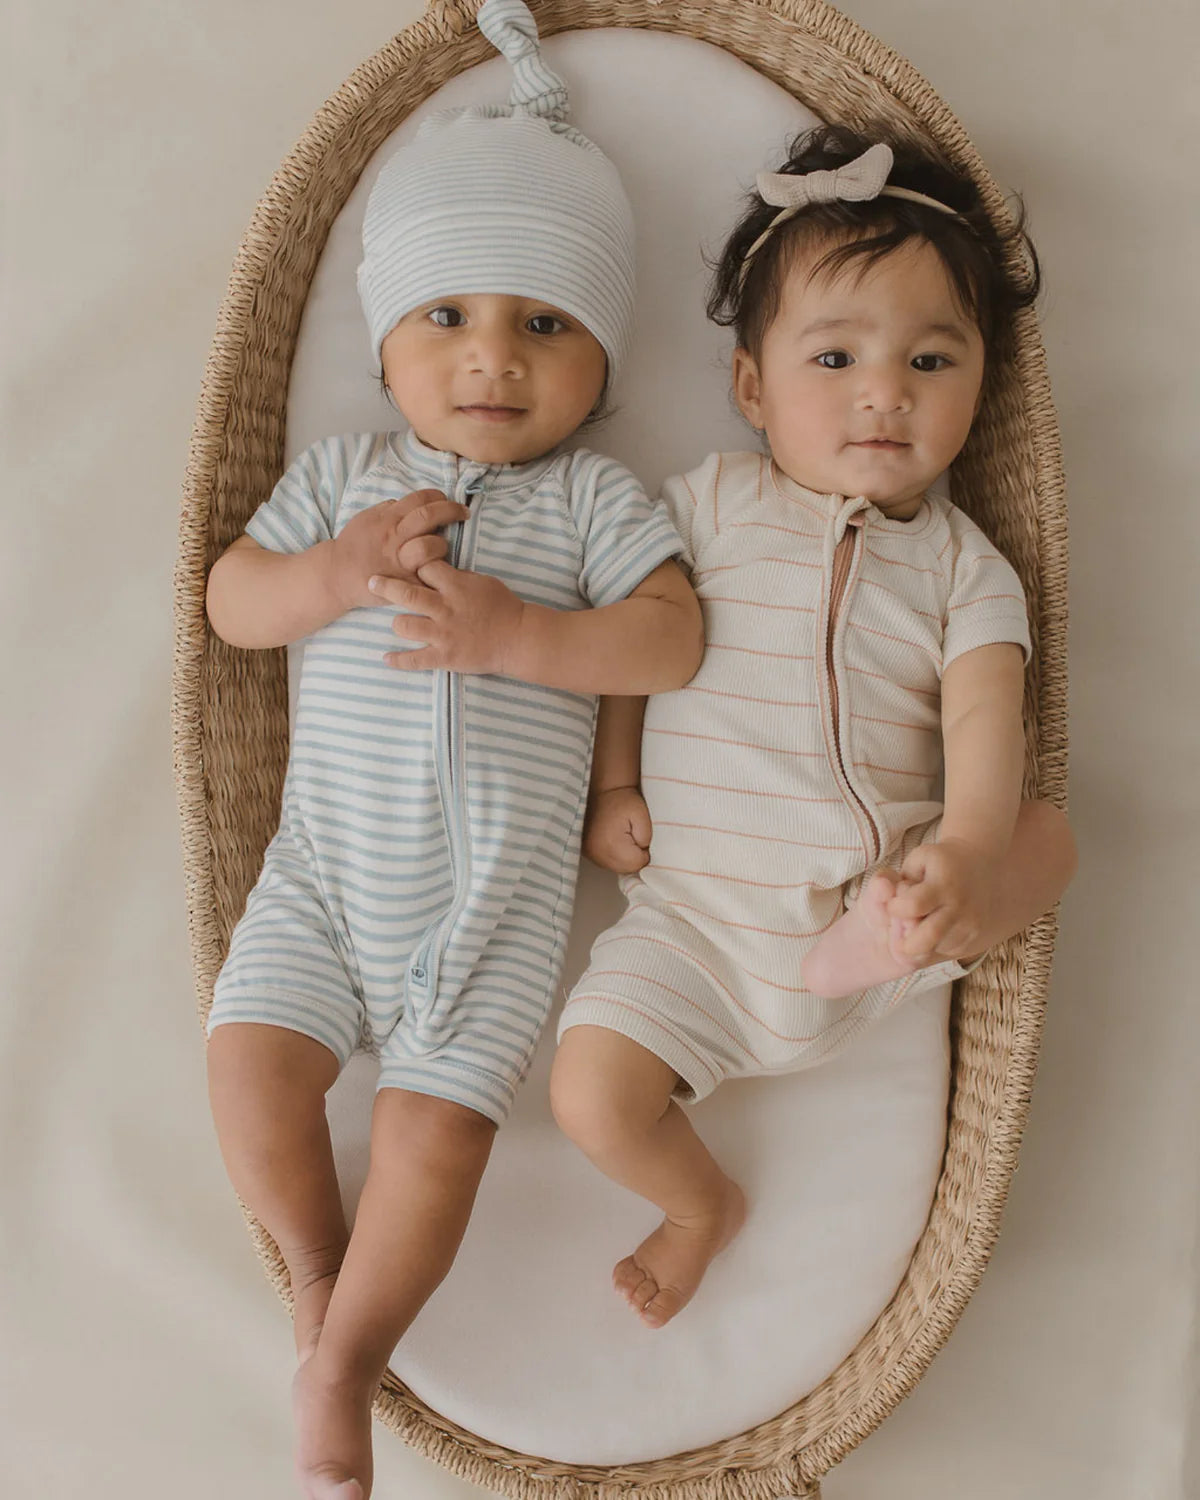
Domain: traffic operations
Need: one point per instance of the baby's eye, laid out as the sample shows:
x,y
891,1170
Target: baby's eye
x,y
544,324
446,317
834,359
929,363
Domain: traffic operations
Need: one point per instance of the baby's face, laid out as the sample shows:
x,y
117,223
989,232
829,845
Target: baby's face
x,y
493,378
867,382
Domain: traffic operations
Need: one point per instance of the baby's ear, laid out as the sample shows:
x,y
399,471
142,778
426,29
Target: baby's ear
x,y
747,387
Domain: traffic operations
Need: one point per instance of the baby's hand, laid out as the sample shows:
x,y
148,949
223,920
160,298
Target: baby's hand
x,y
942,901
617,829
394,538
458,621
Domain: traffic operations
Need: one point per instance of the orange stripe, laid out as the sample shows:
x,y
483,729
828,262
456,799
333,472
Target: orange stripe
x,y
747,926
782,1036
899,639
793,499
687,999
764,838
745,698
766,885
741,791
904,687
787,562
894,562
866,765
895,723
654,1020
799,609
904,605
767,526
985,599
742,744
751,651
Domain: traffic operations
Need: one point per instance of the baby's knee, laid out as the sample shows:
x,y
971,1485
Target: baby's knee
x,y
431,1125
606,1089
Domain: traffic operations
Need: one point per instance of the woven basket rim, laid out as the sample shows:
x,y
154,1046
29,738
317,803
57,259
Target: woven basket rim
x,y
789,1453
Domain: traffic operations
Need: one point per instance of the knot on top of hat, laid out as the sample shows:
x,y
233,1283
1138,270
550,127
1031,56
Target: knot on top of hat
x,y
536,89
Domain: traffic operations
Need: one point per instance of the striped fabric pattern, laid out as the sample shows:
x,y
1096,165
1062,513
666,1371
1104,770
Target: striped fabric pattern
x,y
775,784
504,199
417,894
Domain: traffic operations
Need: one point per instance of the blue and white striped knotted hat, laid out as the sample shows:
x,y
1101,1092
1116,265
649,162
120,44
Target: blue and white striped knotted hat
x,y
507,199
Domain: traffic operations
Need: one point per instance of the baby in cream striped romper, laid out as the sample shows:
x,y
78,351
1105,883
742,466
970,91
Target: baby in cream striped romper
x,y
828,817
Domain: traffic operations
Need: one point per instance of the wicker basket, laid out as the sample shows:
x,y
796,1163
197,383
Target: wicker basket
x,y
230,707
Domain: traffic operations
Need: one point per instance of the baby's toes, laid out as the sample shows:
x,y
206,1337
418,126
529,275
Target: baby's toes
x,y
662,1307
632,1282
876,896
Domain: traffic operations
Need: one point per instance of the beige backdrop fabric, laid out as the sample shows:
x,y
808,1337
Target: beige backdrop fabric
x,y
143,1353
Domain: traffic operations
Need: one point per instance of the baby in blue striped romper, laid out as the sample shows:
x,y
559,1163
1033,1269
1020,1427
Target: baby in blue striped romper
x,y
466,590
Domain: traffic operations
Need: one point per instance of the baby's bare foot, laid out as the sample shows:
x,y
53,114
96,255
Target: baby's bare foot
x,y
859,949
333,1433
662,1274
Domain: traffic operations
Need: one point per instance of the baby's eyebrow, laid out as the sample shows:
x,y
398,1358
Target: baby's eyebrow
x,y
949,331
829,325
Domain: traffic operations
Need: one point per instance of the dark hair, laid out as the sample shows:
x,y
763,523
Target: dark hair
x,y
975,253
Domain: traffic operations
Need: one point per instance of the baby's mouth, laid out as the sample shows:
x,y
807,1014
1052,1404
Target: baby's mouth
x,y
484,412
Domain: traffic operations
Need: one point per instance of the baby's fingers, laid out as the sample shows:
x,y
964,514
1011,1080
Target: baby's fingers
x,y
424,511
629,856
924,939
641,829
913,902
412,596
420,550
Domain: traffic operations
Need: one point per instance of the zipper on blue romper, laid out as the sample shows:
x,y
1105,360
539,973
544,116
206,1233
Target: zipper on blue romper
x,y
419,970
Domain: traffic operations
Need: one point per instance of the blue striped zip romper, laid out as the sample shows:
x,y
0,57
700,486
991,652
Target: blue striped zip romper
x,y
416,897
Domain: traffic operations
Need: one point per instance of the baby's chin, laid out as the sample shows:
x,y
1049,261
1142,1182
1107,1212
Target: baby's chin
x,y
514,441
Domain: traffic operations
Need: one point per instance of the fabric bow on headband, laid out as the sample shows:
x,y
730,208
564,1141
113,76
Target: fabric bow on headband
x,y
857,181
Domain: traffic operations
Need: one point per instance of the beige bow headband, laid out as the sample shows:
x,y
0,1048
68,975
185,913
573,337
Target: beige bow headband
x,y
858,181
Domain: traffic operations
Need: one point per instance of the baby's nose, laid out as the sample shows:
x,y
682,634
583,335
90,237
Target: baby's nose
x,y
885,390
495,354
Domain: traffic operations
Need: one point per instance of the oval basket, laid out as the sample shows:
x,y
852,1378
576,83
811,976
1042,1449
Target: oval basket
x,y
231,719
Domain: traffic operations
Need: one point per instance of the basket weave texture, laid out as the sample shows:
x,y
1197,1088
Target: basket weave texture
x,y
230,707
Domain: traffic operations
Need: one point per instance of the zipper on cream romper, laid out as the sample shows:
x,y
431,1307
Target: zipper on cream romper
x,y
845,555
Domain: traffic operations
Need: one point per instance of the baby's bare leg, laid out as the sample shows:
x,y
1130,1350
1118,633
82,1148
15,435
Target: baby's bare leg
x,y
267,1087
427,1158
612,1097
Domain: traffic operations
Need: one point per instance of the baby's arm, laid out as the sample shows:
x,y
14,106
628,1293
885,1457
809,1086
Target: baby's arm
x,y
649,642
617,829
260,598
998,863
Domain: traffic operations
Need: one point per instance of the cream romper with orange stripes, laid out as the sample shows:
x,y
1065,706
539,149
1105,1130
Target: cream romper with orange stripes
x,y
806,751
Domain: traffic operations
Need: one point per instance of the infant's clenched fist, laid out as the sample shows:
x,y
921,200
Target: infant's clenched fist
x,y
617,830
393,539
